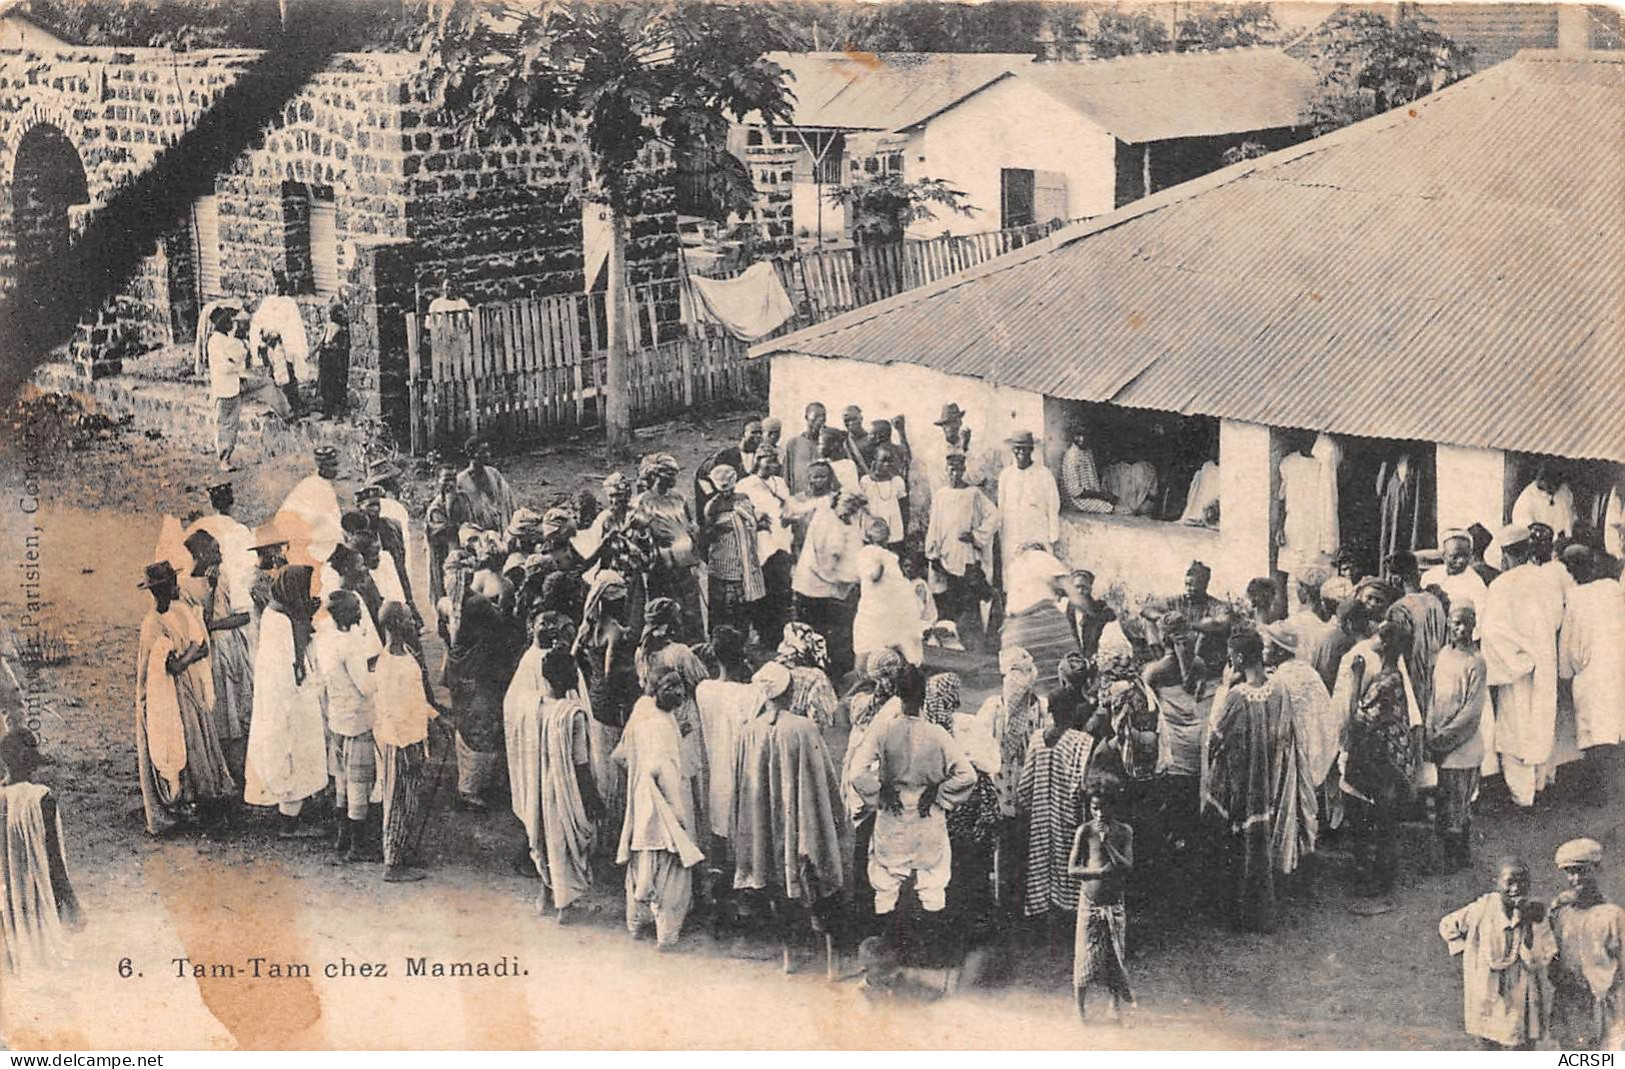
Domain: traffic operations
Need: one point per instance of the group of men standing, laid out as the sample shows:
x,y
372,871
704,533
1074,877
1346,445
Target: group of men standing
x,y
230,340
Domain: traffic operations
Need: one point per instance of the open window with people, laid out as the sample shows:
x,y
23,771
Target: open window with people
x,y
1132,463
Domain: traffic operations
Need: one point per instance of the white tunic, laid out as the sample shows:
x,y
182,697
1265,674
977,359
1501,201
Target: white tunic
x,y
1030,506
1591,651
287,741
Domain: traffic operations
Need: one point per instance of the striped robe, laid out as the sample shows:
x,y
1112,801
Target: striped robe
x,y
1047,801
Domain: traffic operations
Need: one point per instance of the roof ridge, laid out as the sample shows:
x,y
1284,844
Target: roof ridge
x,y
1175,194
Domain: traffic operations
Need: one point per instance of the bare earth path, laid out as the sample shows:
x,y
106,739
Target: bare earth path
x,y
1328,978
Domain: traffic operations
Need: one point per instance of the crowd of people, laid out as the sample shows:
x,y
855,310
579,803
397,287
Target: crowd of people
x,y
721,699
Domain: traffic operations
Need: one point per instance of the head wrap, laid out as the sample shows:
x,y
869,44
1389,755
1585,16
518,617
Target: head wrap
x,y
1199,569
771,424
883,665
1076,672
1337,588
661,616
558,522
615,481
525,524
723,478
607,585
773,679
515,562
662,465
1578,852
942,699
1372,582
1020,677
1283,637
802,647
1314,576
1115,657
1513,534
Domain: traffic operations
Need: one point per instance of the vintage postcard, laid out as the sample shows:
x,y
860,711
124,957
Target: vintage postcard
x,y
805,524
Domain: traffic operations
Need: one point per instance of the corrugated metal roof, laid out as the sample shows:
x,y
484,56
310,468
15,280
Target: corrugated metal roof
x,y
1182,94
1451,273
885,91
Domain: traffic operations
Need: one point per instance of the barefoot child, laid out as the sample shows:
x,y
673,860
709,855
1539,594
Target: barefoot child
x,y
1505,943
403,712
1102,856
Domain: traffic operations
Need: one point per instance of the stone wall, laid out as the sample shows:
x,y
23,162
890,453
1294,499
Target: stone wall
x,y
503,219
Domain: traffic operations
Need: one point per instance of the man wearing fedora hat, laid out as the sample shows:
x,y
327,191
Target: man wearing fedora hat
x,y
1029,501
179,759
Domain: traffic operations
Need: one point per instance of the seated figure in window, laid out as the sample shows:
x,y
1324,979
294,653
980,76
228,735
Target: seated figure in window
x,y
1080,478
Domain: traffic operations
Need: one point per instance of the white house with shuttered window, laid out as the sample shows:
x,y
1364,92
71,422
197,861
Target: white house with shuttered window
x,y
1050,141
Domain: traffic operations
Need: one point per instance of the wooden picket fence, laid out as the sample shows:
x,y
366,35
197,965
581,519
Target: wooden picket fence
x,y
521,369
525,368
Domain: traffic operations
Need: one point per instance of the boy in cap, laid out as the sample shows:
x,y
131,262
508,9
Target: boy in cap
x,y
1505,943
1588,976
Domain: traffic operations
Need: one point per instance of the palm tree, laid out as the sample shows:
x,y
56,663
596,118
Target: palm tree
x,y
628,75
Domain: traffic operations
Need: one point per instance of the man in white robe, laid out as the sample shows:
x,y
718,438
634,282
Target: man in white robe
x,y
1591,650
310,516
961,532
1520,653
1546,500
1456,577
1029,501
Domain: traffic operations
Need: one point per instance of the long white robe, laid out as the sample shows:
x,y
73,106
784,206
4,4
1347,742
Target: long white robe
x,y
31,930
311,520
287,740
1029,508
1591,652
724,709
1520,654
280,314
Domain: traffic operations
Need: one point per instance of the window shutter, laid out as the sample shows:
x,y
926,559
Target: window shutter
x,y
1049,196
324,244
206,245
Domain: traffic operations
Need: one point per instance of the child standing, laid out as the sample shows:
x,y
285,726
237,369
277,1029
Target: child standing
x,y
1505,943
1102,856
403,712
1588,976
1453,739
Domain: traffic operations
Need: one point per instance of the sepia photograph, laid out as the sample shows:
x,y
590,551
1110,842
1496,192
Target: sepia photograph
x,y
864,525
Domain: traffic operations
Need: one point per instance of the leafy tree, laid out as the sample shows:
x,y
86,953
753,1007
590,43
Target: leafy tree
x,y
1098,32
630,76
191,24
883,206
1228,26
1368,64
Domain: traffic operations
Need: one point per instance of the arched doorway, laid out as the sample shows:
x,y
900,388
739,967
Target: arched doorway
x,y
47,182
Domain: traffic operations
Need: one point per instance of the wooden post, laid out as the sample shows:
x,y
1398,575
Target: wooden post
x,y
414,388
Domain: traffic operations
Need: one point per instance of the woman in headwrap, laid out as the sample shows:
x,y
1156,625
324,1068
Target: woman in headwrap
x,y
974,824
1137,743
1010,718
1047,797
1382,754
736,580
870,703
287,739
805,653
606,651
485,647
661,655
670,521
617,510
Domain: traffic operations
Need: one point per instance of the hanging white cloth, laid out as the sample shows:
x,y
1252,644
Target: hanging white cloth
x,y
748,307
1204,492
1302,488
1330,454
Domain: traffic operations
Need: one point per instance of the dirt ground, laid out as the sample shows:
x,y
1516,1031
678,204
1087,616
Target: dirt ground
x,y
1327,979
